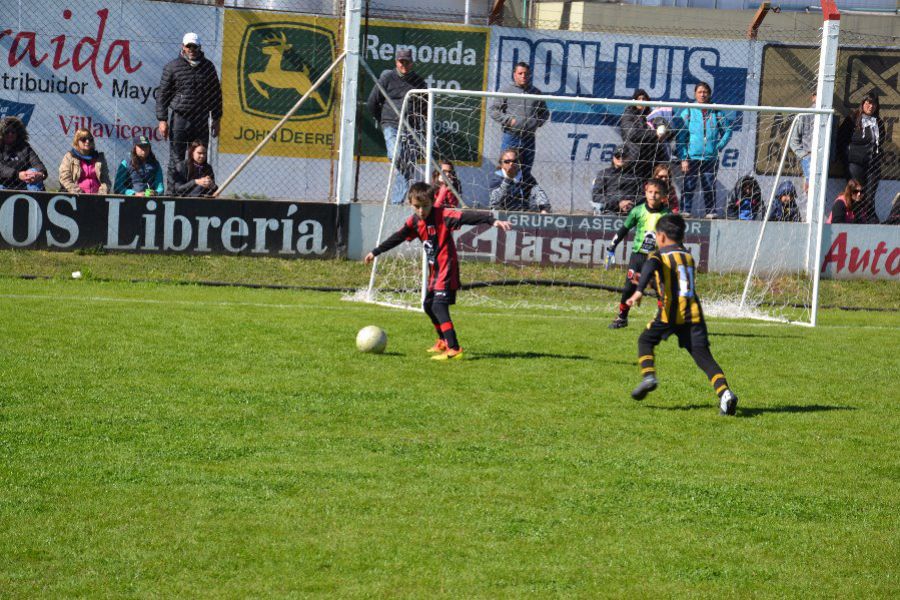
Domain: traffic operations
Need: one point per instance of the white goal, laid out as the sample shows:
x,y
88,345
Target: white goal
x,y
557,260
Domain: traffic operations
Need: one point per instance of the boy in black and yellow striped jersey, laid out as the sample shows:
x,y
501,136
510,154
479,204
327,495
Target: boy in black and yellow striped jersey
x,y
672,268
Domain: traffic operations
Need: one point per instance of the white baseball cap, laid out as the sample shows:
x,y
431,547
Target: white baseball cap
x,y
190,38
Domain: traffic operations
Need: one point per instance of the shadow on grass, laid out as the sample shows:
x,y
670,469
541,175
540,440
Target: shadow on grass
x,y
483,355
750,412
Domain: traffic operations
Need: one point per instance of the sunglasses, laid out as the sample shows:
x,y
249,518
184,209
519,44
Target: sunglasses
x,y
191,46
857,191
86,139
508,161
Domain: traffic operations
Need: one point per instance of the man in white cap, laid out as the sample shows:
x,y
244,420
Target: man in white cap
x,y
189,95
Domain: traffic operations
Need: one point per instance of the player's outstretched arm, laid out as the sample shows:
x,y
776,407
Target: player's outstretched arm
x,y
635,299
369,258
504,225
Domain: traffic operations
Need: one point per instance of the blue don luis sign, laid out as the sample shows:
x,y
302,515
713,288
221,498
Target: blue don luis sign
x,y
614,66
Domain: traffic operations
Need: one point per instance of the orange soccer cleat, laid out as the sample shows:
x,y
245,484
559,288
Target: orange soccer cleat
x,y
450,354
440,346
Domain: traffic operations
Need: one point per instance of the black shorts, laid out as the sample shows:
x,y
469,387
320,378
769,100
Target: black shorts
x,y
440,297
635,264
689,336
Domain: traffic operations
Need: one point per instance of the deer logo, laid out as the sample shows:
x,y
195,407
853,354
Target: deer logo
x,y
273,76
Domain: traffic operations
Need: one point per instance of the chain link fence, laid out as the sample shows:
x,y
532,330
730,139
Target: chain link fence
x,y
99,67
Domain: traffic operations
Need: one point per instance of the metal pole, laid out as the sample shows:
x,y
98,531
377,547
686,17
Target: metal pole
x,y
275,129
346,164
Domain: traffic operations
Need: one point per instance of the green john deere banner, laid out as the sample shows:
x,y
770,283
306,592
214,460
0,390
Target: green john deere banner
x,y
452,57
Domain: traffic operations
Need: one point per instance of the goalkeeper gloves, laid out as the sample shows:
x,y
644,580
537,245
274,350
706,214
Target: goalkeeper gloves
x,y
610,256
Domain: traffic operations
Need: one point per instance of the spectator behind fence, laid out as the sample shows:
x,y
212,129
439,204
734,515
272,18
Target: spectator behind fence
x,y
860,146
519,118
20,166
615,188
641,140
189,94
702,135
514,189
194,176
83,169
784,207
139,174
894,216
801,142
844,208
745,201
448,188
663,173
396,83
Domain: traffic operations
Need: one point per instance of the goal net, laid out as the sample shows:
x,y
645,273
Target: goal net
x,y
747,202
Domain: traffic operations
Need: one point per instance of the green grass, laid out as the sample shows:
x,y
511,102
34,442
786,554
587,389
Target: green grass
x,y
181,441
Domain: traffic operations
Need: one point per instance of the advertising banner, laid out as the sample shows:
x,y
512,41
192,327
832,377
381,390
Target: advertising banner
x,y
93,64
579,139
171,225
269,62
861,252
446,56
562,240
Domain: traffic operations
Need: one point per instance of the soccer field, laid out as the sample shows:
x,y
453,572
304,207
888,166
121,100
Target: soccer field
x,y
180,441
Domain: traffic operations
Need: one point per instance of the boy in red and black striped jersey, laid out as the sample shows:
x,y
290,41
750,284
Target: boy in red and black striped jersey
x,y
672,267
434,227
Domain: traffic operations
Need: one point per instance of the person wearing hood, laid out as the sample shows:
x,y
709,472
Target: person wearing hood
x,y
83,169
746,200
20,166
189,96
784,208
396,83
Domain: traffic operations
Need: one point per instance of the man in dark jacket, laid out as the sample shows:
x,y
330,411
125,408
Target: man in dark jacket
x,y
396,83
616,190
519,118
640,140
20,166
189,94
514,190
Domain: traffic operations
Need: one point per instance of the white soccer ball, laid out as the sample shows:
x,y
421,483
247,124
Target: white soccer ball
x,y
371,339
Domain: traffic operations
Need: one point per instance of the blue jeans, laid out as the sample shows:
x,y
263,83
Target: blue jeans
x,y
804,164
702,173
405,163
524,143
31,187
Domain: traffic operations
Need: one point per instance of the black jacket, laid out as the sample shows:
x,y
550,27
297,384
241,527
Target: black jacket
x,y
611,186
15,159
396,87
183,184
858,146
641,142
189,91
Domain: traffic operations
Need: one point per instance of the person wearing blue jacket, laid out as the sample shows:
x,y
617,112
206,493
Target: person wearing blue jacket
x,y
702,135
140,174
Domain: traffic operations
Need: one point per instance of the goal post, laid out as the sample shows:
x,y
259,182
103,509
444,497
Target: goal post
x,y
552,250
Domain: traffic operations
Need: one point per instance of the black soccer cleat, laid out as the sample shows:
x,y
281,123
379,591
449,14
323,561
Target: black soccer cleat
x,y
646,386
619,323
728,404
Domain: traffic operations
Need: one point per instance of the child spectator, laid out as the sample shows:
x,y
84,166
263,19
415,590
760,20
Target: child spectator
x,y
20,166
194,177
434,227
83,169
446,182
514,189
663,172
746,200
844,208
140,174
672,268
785,206
642,218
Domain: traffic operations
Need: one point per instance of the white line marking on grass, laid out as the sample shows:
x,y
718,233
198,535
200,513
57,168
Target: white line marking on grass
x,y
350,306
